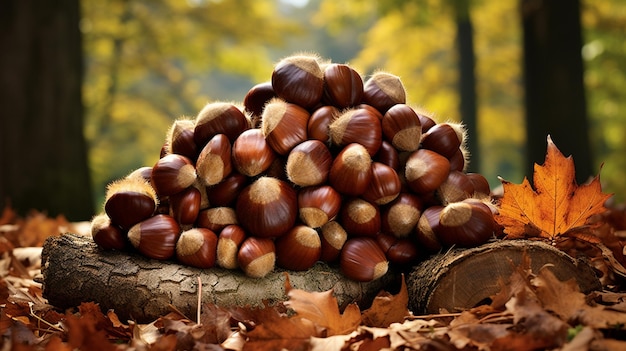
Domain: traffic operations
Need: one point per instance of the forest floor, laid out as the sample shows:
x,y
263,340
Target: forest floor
x,y
534,311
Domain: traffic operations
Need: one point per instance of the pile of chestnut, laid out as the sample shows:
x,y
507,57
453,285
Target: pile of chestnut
x,y
315,165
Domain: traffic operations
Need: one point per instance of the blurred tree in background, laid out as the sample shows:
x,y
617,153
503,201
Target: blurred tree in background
x,y
43,156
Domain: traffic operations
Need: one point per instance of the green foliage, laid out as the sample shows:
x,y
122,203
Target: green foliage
x,y
150,62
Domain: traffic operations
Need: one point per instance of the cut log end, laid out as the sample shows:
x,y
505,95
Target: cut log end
x,y
75,270
464,278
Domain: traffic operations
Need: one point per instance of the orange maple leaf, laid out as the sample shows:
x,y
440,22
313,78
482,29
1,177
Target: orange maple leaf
x,y
557,207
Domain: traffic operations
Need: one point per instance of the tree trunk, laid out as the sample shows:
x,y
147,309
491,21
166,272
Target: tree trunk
x,y
464,278
467,81
75,270
554,89
43,154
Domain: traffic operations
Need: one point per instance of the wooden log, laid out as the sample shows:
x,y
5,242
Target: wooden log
x,y
464,278
76,270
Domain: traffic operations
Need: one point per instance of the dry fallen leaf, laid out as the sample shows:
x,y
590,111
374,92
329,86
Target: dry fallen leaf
x,y
557,206
322,309
387,308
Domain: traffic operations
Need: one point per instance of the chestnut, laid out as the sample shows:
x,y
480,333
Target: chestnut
x,y
219,118
228,243
442,138
363,260
172,174
343,86
197,247
298,249
129,200
360,217
225,193
425,170
216,218
107,235
428,228
399,218
351,171
185,206
155,237
357,125
401,126
309,163
256,98
384,185
456,187
257,256
387,154
319,121
466,224
284,125
404,252
180,138
299,79
383,90
481,185
333,237
267,207
214,161
317,205
251,154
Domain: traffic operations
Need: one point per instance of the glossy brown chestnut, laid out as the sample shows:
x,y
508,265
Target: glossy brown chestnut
x,y
343,86
228,243
225,193
267,208
425,170
308,163
384,185
185,206
443,139
129,200
363,260
360,218
351,171
320,120
155,237
428,228
256,98
214,161
404,252
197,247
426,122
466,224
219,118
388,154
456,187
251,154
333,237
299,79
144,173
298,249
180,138
257,256
401,126
284,125
481,185
107,235
317,205
172,174
216,218
357,125
399,218
458,161
383,90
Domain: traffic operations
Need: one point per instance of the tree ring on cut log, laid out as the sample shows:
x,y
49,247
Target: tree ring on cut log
x,y
464,278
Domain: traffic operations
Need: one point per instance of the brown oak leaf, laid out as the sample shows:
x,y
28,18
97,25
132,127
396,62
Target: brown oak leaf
x,y
558,206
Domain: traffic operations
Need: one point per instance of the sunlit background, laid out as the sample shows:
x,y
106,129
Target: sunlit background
x,y
150,62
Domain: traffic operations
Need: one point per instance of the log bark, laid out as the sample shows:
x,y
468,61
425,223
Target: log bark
x,y
75,270
464,278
